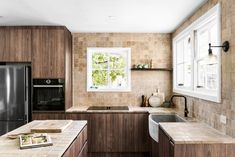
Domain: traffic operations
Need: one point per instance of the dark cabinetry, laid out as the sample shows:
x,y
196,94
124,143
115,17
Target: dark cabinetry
x,y
48,52
48,115
78,148
168,148
116,134
15,44
48,48
52,56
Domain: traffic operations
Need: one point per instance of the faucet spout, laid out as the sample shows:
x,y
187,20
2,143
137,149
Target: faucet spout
x,y
185,103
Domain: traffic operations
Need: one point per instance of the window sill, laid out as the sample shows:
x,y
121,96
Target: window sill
x,y
108,90
200,95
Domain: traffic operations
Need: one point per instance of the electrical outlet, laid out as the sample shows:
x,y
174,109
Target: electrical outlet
x,y
223,119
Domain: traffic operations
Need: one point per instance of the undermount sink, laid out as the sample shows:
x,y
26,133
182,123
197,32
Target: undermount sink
x,y
125,108
155,119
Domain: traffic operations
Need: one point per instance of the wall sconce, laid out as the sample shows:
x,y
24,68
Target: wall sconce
x,y
225,47
213,58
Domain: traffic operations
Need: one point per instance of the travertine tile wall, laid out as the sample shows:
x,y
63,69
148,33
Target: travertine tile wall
x,y
144,47
210,112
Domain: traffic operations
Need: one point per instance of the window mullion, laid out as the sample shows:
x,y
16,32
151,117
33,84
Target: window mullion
x,y
109,80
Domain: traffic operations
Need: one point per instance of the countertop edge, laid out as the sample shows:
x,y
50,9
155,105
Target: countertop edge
x,y
200,142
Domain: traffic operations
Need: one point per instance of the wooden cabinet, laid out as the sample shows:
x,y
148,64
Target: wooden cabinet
x,y
15,44
78,148
127,132
154,148
48,115
68,70
119,134
48,49
167,148
52,56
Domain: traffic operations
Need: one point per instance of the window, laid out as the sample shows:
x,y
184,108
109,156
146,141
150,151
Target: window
x,y
194,73
108,69
184,62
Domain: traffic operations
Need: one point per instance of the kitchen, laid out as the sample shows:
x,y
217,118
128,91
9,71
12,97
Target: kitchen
x,y
126,86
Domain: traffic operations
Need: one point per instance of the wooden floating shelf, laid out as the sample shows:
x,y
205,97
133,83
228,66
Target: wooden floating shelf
x,y
151,69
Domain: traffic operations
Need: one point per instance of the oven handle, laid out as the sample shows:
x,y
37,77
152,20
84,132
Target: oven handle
x,y
43,86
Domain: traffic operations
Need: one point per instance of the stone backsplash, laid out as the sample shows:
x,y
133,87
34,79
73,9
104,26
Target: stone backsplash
x,y
144,46
207,111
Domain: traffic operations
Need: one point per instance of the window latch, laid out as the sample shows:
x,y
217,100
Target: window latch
x,y
200,87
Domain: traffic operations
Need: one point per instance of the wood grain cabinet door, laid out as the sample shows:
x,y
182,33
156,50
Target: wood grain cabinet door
x,y
127,132
48,115
164,145
48,49
15,44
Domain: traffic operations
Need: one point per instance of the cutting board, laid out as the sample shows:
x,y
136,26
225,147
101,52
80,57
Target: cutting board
x,y
51,126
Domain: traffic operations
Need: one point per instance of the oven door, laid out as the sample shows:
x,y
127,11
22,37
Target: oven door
x,y
48,98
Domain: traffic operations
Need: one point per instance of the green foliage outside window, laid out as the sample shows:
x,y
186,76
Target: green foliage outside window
x,y
108,66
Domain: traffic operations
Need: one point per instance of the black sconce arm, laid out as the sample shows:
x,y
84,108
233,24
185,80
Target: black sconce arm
x,y
225,46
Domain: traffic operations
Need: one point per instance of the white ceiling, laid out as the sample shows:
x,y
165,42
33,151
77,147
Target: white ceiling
x,y
162,16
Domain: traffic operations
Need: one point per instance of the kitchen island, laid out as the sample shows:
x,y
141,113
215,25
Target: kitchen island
x,y
70,143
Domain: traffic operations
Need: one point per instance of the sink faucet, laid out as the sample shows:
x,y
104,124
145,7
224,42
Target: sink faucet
x,y
185,104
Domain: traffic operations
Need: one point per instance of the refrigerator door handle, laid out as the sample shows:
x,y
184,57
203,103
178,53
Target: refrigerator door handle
x,y
26,90
25,82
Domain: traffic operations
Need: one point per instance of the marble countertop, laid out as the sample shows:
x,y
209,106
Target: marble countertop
x,y
61,141
194,133
151,110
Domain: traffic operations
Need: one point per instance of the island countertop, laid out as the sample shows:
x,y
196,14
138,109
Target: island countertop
x,y
61,141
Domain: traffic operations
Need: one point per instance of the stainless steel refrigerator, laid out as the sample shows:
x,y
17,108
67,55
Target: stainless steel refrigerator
x,y
14,96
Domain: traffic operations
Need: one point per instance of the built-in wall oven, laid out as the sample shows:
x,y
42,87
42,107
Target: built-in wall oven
x,y
48,95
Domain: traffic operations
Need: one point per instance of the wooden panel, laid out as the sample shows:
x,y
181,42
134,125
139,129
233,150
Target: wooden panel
x,y
48,115
96,130
15,44
154,148
2,43
84,152
200,150
127,132
164,144
48,50
68,70
169,149
98,133
118,154
78,147
230,150
116,132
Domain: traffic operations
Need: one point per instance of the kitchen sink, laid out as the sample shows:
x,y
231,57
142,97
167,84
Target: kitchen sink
x,y
125,108
155,119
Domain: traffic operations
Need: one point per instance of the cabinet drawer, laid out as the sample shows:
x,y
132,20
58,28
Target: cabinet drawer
x,y
77,148
84,151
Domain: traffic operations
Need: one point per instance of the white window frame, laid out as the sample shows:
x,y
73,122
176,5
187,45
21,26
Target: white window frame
x,y
215,96
90,51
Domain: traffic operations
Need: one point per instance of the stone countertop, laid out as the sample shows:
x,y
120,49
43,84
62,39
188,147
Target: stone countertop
x,y
151,110
194,133
61,141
